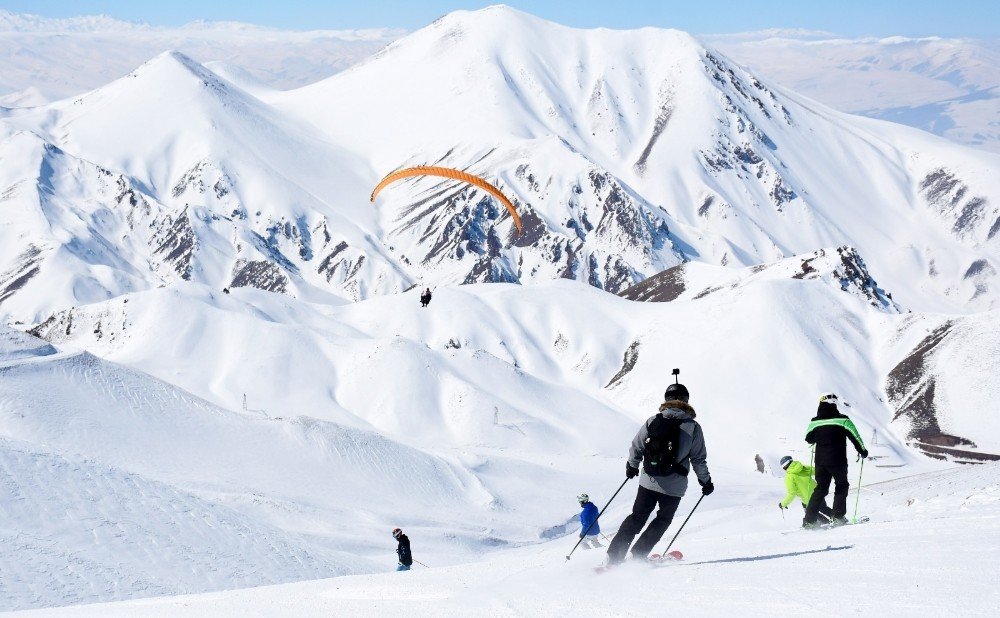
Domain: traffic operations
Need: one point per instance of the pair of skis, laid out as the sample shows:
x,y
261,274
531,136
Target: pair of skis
x,y
652,560
830,525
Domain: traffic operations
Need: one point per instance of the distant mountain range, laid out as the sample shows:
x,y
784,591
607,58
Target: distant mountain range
x,y
949,87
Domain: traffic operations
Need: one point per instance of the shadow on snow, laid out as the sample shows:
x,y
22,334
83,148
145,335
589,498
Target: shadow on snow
x,y
773,556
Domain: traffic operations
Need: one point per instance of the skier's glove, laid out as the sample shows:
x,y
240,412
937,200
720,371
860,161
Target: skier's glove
x,y
707,488
630,471
864,454
581,535
782,506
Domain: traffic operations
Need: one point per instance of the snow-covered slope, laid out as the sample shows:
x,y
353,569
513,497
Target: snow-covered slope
x,y
117,485
501,365
209,184
929,551
232,328
942,385
736,170
363,416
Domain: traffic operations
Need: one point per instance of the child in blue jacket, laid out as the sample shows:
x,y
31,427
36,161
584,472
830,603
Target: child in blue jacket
x,y
589,533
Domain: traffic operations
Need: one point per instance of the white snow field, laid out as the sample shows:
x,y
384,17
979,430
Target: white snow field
x,y
929,550
229,382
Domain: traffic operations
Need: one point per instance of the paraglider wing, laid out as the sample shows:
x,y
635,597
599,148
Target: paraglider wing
x,y
447,172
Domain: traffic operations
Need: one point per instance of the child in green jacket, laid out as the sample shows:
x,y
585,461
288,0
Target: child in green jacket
x,y
799,484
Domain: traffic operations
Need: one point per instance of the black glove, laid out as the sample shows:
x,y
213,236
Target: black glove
x,y
707,487
782,506
581,535
864,454
630,471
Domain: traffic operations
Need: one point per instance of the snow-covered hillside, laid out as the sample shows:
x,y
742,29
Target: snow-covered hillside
x,y
363,416
233,383
929,551
116,485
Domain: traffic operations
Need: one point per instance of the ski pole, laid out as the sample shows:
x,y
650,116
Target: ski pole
x,y
422,564
858,498
580,540
682,525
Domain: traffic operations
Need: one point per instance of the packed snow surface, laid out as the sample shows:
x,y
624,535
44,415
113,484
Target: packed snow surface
x,y
472,423
929,549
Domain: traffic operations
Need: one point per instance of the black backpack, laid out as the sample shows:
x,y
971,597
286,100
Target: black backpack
x,y
664,440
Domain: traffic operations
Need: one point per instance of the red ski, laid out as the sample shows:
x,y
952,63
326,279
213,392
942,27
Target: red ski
x,y
653,560
668,557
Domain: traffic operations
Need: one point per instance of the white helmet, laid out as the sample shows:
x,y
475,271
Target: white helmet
x,y
583,498
828,398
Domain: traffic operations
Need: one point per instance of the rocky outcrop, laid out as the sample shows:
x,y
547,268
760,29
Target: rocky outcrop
x,y
259,274
660,288
911,390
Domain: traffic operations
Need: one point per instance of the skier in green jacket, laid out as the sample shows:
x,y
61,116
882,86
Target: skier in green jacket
x,y
799,484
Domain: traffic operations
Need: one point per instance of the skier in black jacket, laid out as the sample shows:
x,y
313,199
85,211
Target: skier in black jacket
x,y
663,483
403,550
829,431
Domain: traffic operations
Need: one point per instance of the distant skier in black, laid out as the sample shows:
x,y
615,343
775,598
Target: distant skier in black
x,y
403,550
829,431
425,298
668,445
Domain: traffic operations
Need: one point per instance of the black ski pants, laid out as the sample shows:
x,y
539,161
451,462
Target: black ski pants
x,y
645,501
824,475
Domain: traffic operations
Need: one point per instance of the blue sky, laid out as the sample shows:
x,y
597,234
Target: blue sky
x,y
974,18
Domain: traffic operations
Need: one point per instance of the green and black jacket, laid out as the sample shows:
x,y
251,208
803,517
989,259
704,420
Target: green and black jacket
x,y
829,431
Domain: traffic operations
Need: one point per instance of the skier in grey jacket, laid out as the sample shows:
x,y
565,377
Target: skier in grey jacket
x,y
668,445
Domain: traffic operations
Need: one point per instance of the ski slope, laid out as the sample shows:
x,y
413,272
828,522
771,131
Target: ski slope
x,y
234,386
378,414
929,550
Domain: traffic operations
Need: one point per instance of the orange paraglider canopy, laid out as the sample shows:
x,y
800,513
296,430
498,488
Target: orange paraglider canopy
x,y
447,172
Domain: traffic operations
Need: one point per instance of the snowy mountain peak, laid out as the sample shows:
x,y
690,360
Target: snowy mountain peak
x,y
626,153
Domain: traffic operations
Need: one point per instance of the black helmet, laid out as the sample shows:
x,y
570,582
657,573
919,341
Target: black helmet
x,y
676,391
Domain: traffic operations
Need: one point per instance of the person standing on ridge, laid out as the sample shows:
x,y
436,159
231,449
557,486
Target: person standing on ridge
x,y
403,550
667,446
589,528
799,484
425,298
830,430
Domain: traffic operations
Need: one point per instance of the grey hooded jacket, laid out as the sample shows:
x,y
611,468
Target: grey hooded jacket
x,y
692,449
